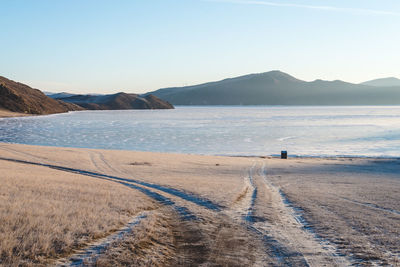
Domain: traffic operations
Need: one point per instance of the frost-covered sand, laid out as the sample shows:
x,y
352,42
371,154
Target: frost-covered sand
x,y
193,210
9,114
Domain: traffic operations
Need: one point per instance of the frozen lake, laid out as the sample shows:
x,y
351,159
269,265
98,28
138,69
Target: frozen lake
x,y
243,130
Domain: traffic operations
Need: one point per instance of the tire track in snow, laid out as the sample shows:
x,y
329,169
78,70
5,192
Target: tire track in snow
x,y
200,201
302,235
276,250
90,253
372,206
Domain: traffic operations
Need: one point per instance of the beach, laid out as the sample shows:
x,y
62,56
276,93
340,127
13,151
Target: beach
x,y
118,207
10,114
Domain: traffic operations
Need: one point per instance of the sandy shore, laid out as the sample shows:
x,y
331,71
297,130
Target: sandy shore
x,y
210,210
9,114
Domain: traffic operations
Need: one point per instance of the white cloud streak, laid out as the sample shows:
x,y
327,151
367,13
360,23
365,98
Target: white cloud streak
x,y
361,11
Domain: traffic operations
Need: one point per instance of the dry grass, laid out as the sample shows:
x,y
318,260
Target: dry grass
x,y
150,244
163,240
217,178
336,196
45,213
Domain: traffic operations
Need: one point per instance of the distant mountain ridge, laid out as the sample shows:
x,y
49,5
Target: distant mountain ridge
x,y
269,88
59,95
20,98
116,101
279,88
383,82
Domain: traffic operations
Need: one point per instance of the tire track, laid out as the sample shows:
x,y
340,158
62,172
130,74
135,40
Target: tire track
x,y
372,206
295,230
102,159
183,211
24,154
189,196
96,249
189,235
220,221
200,201
249,217
274,249
283,255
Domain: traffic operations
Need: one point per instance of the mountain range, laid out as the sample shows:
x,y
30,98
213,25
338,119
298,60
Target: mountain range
x,y
384,82
269,88
20,98
114,101
278,88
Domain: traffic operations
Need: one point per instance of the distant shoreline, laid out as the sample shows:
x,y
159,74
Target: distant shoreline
x,y
273,156
10,114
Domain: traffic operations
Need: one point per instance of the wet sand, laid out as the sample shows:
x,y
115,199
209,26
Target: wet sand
x,y
237,211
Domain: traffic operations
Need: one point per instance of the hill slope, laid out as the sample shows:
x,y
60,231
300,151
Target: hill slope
x,y
18,97
117,101
384,82
278,88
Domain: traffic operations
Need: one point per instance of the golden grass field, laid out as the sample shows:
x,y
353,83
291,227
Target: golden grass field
x,y
200,210
45,214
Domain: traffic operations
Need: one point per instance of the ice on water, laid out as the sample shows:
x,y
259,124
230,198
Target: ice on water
x,y
254,130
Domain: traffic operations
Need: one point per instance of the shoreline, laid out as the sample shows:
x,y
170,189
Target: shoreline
x,y
11,114
273,156
5,114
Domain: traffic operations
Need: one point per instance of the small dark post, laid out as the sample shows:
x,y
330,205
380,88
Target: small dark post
x,y
283,154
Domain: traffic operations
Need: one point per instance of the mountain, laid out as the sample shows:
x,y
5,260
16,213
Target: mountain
x,y
64,95
59,95
278,88
384,82
47,93
117,101
18,97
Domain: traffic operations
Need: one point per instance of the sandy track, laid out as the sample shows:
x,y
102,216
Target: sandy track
x,y
284,226
245,211
92,251
277,253
218,238
281,254
372,206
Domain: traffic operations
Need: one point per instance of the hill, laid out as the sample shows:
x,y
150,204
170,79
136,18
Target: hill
x,y
117,101
18,97
278,88
384,82
58,95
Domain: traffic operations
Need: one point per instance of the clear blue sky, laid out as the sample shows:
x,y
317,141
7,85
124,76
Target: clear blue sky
x,y
141,45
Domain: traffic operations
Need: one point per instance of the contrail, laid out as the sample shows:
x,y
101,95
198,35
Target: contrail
x,y
316,7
